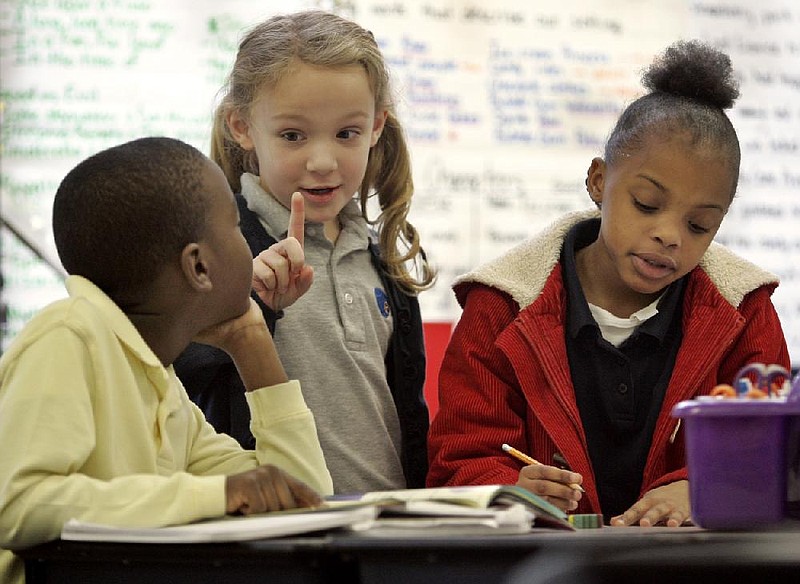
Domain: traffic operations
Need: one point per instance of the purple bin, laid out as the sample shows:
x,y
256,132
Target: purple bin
x,y
741,454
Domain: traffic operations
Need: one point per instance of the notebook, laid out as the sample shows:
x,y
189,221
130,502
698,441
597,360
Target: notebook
x,y
227,529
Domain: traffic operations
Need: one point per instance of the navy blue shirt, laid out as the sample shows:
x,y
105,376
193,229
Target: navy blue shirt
x,y
619,390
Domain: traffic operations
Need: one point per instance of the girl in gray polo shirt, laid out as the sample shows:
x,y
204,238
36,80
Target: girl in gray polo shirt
x,y
308,110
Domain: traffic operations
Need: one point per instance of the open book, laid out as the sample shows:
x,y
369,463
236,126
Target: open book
x,y
275,524
489,501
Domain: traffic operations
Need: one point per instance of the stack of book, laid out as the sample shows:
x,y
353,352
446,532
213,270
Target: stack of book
x,y
486,509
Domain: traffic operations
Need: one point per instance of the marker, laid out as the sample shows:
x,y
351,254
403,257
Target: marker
x,y
521,456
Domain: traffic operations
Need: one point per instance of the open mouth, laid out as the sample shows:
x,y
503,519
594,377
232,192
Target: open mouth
x,y
320,191
654,265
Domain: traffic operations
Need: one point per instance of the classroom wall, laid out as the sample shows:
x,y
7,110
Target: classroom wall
x,y
504,103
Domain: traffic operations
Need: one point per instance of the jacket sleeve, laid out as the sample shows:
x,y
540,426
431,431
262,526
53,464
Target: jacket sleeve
x,y
480,406
760,339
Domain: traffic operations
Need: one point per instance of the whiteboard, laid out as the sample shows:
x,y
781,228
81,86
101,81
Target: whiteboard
x,y
505,103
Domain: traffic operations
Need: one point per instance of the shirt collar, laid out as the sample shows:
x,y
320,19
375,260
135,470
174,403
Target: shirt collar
x,y
578,313
659,325
124,330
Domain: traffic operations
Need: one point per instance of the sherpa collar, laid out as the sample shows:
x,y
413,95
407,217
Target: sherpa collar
x,y
523,270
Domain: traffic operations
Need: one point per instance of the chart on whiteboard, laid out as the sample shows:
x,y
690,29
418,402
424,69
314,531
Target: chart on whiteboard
x,y
504,105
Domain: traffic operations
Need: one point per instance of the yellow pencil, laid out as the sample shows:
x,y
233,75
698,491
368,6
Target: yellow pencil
x,y
521,456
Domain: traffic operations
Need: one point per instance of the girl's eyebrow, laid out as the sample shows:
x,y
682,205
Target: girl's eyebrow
x,y
657,184
652,180
664,189
712,206
288,117
301,117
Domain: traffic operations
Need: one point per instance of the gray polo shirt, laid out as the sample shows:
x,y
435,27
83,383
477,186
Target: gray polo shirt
x,y
334,339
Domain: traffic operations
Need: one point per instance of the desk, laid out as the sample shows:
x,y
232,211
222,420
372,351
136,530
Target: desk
x,y
600,555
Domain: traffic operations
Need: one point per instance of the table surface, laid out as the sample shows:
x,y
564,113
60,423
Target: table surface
x,y
606,554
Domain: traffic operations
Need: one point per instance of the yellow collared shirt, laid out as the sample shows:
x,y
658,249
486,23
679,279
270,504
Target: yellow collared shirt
x,y
94,427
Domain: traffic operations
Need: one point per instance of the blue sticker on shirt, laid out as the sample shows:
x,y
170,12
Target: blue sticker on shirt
x,y
383,302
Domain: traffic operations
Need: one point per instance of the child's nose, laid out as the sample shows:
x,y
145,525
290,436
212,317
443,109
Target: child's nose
x,y
668,233
321,159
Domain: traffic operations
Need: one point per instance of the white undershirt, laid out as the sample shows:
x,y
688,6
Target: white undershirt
x,y
616,330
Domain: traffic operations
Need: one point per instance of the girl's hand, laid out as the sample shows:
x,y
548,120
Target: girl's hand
x,y
280,274
667,505
552,484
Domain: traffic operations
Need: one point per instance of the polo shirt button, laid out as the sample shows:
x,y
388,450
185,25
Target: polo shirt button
x,y
623,389
348,298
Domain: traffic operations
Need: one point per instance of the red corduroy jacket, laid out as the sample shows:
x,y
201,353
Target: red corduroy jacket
x,y
505,379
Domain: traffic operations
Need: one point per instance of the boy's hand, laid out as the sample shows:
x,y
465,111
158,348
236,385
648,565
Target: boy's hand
x,y
280,274
247,340
552,483
266,488
234,333
667,505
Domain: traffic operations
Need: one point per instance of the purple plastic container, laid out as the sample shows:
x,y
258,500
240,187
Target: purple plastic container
x,y
739,454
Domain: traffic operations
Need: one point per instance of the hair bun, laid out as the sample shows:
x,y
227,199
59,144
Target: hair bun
x,y
696,71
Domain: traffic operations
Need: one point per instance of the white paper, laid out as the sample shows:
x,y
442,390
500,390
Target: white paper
x,y
227,529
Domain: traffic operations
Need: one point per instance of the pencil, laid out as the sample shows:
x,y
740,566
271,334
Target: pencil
x,y
521,456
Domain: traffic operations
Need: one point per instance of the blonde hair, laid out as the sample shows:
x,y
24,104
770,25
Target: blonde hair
x,y
326,40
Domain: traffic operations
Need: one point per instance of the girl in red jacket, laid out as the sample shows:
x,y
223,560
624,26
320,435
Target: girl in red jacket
x,y
575,345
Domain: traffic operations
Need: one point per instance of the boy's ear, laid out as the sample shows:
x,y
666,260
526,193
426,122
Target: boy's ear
x,y
240,129
195,267
377,126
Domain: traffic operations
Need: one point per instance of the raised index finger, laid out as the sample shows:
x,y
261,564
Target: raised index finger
x,y
297,217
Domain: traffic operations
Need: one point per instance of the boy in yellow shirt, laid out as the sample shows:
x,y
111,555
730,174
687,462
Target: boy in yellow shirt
x,y
93,421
